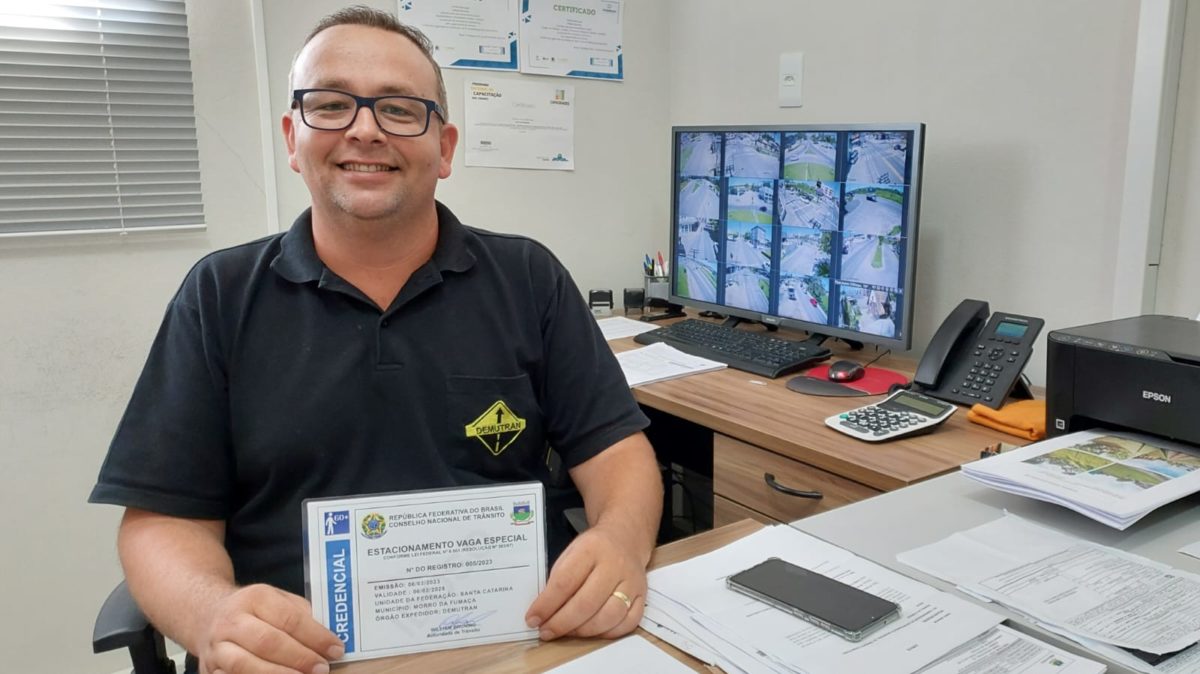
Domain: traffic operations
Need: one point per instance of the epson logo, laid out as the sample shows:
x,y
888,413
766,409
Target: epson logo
x,y
1156,397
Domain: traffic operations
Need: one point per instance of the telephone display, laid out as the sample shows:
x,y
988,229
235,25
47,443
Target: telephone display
x,y
977,358
1012,330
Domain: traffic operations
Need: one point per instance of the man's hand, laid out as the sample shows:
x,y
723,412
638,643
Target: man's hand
x,y
181,576
259,629
579,598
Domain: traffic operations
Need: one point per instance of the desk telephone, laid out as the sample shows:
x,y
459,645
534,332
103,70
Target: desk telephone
x,y
976,359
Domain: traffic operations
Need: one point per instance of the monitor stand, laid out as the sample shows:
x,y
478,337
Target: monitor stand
x,y
734,321
814,338
817,339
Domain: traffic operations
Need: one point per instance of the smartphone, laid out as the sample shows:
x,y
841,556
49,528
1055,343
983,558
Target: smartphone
x,y
845,610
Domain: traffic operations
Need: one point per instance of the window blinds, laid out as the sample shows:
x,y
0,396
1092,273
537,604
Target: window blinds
x,y
97,128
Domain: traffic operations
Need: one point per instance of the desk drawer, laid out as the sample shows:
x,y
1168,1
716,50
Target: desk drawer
x,y
728,512
739,475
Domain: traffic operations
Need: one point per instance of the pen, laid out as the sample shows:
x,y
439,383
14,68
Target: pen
x,y
648,267
662,266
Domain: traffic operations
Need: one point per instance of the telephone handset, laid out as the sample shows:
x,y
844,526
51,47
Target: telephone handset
x,y
976,359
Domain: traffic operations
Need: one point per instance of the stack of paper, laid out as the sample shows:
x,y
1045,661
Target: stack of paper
x,y
661,361
619,327
1004,650
631,654
1107,600
689,606
1114,478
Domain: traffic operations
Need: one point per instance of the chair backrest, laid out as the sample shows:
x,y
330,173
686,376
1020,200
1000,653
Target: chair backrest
x,y
121,624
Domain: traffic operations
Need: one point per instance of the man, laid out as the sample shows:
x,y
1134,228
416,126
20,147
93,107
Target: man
x,y
347,356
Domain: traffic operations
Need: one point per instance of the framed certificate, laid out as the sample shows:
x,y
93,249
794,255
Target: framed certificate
x,y
419,571
479,34
577,39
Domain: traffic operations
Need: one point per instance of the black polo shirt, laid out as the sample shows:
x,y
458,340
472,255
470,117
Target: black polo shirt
x,y
273,380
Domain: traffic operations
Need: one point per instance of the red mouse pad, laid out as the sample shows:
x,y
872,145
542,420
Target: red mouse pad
x,y
875,381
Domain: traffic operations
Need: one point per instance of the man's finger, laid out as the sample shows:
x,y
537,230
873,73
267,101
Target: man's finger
x,y
588,600
272,645
630,622
567,576
292,615
230,658
611,614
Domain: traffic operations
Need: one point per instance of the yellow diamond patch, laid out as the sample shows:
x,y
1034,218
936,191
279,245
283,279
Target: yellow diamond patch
x,y
496,428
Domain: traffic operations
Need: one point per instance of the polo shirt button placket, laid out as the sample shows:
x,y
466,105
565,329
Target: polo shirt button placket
x,y
389,355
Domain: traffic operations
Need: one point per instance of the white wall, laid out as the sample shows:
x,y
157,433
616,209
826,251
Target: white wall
x,y
1026,105
77,316
598,219
1179,270
79,313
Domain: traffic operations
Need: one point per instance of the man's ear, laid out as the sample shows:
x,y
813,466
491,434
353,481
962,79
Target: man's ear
x,y
289,137
449,141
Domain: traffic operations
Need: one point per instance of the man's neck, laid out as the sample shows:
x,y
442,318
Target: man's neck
x,y
376,256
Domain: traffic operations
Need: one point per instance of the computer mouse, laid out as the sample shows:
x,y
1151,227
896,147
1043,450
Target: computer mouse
x,y
845,370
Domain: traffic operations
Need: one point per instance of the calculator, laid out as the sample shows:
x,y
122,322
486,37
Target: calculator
x,y
900,414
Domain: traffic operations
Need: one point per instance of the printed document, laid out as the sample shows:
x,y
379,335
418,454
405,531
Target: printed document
x,y
1114,478
660,361
690,599
1078,588
618,327
577,39
467,33
1007,651
519,124
1192,550
426,570
631,654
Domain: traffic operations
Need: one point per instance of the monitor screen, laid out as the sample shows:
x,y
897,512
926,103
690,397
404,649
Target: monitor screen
x,y
812,227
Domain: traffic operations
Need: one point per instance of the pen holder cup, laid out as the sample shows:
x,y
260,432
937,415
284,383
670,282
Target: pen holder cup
x,y
658,289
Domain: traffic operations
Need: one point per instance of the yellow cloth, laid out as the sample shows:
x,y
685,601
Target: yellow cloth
x,y
1022,418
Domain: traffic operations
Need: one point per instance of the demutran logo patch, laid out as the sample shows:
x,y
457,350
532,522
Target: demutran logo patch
x,y
496,428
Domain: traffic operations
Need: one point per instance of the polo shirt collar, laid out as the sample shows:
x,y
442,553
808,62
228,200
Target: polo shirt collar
x,y
455,241
298,262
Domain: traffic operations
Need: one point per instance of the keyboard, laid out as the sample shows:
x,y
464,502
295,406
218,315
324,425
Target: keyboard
x,y
752,352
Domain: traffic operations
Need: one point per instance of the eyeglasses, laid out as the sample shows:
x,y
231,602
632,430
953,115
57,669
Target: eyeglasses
x,y
333,110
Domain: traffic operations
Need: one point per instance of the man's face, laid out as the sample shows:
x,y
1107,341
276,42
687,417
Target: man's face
x,y
361,171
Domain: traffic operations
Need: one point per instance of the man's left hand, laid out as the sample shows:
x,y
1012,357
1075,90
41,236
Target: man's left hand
x,y
583,596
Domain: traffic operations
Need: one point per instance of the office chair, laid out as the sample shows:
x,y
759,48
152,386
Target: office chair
x,y
121,624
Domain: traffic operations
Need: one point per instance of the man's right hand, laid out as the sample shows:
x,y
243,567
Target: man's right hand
x,y
260,629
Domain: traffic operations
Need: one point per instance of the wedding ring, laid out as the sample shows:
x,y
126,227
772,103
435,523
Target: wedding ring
x,y
624,599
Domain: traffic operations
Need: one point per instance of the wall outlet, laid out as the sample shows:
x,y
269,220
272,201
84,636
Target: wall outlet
x,y
791,79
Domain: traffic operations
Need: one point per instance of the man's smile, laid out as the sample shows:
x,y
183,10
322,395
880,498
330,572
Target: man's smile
x,y
358,167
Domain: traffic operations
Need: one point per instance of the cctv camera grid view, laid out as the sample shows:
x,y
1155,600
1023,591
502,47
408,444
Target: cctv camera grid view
x,y
805,225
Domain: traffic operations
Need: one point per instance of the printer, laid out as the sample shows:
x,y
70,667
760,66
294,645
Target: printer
x,y
1140,374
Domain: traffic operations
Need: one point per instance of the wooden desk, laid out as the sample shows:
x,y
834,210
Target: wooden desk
x,y
762,427
534,656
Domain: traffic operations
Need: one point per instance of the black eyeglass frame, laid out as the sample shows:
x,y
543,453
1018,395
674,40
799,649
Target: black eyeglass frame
x,y
368,102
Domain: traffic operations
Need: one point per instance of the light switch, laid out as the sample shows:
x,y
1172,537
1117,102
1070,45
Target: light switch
x,y
791,79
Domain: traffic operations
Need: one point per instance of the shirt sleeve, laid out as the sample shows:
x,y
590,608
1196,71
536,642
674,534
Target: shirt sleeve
x,y
588,404
170,453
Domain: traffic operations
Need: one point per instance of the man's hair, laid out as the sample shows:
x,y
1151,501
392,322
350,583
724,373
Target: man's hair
x,y
360,15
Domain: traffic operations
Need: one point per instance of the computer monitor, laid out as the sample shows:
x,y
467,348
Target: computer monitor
x,y
805,226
